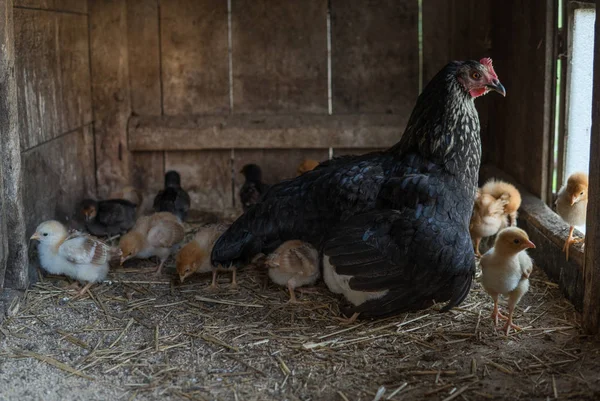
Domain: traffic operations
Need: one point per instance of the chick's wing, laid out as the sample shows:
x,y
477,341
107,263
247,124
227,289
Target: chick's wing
x,y
82,249
165,234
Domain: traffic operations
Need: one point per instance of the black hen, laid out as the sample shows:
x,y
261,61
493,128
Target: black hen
x,y
253,187
394,225
108,217
173,198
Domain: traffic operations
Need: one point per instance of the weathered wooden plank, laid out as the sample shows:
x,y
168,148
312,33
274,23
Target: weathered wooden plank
x,y
111,101
146,97
194,56
276,164
274,131
374,56
144,56
206,175
279,56
436,37
519,129
76,6
10,156
52,66
57,175
591,305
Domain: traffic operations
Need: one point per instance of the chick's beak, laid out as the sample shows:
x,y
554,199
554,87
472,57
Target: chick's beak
x,y
181,278
529,244
573,200
35,236
495,85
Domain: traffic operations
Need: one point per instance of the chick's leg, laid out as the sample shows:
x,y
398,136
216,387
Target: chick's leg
x,y
234,283
496,313
513,299
290,286
509,323
84,289
477,242
160,265
570,240
213,285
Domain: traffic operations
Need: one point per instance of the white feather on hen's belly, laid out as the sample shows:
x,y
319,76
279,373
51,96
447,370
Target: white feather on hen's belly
x,y
339,284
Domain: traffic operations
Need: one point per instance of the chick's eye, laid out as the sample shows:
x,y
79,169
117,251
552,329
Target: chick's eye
x,y
581,193
516,241
45,234
476,75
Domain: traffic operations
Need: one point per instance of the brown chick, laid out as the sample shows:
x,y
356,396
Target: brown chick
x,y
195,256
154,235
571,205
307,165
506,269
130,194
487,219
294,264
501,189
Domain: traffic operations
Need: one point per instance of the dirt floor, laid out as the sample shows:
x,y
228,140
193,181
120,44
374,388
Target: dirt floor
x,y
141,337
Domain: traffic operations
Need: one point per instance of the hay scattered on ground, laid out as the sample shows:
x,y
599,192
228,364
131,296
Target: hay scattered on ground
x,y
141,337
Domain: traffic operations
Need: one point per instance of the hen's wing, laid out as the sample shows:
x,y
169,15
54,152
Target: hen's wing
x,y
81,249
165,233
420,253
304,208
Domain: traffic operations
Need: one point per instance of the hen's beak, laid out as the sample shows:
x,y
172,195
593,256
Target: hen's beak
x,y
495,85
529,244
35,236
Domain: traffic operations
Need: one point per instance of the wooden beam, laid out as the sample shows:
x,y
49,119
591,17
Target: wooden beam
x,y
263,132
111,95
591,304
16,275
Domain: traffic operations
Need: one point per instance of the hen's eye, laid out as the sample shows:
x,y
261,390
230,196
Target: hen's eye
x,y
45,234
516,241
476,75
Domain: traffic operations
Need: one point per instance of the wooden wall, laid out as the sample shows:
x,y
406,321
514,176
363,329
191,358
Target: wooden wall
x,y
214,88
54,106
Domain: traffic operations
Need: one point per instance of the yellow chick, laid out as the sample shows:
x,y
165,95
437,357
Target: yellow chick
x,y
195,256
488,218
154,235
501,189
571,205
74,254
506,269
294,264
306,165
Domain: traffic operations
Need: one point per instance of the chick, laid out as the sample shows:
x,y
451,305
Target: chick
x,y
173,198
307,165
506,269
500,189
108,217
294,264
130,194
74,254
253,187
154,235
487,219
571,205
195,256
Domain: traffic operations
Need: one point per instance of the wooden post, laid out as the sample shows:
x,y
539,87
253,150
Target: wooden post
x,y
591,302
16,275
110,93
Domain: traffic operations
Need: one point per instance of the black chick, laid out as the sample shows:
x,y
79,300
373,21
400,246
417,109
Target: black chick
x,y
108,217
173,198
253,187
393,225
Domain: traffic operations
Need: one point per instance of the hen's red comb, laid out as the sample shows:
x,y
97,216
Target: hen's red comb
x,y
487,62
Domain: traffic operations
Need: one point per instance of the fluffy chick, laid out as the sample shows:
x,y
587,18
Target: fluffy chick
x,y
571,205
506,269
173,198
108,217
130,194
487,219
195,256
74,254
253,188
294,264
306,165
155,235
501,189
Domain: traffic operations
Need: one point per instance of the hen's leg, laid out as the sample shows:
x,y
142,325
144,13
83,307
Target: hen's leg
x,y
234,283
